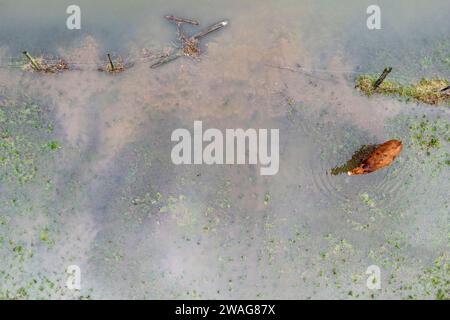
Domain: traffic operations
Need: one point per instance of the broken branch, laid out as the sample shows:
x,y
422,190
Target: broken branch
x,y
181,20
210,29
33,62
383,76
167,59
111,63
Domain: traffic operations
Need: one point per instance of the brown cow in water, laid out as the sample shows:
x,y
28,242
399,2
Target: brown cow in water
x,y
381,157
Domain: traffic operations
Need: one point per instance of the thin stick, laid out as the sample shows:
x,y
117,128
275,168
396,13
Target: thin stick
x,y
181,20
383,76
167,59
181,34
111,63
210,29
33,62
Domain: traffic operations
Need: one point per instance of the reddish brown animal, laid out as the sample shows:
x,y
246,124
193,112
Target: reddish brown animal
x,y
381,157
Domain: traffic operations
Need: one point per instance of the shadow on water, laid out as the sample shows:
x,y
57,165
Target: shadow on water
x,y
357,158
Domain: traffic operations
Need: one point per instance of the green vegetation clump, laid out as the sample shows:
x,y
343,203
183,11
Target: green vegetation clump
x,y
426,136
29,206
426,139
53,145
432,138
426,90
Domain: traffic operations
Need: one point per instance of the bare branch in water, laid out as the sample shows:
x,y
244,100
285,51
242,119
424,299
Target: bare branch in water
x,y
383,76
181,20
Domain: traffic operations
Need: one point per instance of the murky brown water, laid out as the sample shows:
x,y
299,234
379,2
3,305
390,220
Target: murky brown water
x,y
141,227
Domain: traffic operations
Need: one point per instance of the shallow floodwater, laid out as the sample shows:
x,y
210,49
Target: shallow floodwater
x,y
110,200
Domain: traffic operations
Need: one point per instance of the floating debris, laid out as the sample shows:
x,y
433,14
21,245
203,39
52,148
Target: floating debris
x,y
433,92
181,20
116,66
210,29
43,65
167,59
190,46
381,157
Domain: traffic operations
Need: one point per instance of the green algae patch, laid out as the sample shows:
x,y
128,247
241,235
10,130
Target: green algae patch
x,y
436,278
427,91
53,145
432,138
430,135
24,131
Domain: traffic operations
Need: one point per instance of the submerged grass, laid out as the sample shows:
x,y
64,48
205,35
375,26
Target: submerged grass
x,y
432,138
24,133
29,205
436,279
427,138
426,90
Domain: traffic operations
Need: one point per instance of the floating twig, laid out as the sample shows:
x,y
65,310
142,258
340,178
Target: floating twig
x,y
181,20
167,59
210,29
